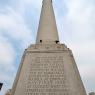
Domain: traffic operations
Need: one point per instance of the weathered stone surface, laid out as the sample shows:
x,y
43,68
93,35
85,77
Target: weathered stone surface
x,y
45,71
47,30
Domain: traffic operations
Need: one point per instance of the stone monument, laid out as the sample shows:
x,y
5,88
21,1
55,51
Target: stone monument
x,y
48,67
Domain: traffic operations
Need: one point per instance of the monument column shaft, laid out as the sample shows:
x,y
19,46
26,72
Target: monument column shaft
x,y
47,30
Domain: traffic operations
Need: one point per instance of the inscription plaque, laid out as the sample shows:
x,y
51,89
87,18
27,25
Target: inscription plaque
x,y
46,76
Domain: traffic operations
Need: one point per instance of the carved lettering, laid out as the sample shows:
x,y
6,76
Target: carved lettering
x,y
46,76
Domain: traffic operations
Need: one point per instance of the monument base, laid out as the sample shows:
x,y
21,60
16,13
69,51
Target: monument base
x,y
48,69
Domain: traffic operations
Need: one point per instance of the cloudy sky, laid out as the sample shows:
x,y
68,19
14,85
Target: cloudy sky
x,y
18,27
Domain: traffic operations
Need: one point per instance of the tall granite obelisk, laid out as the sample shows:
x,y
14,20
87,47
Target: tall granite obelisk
x,y
48,67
